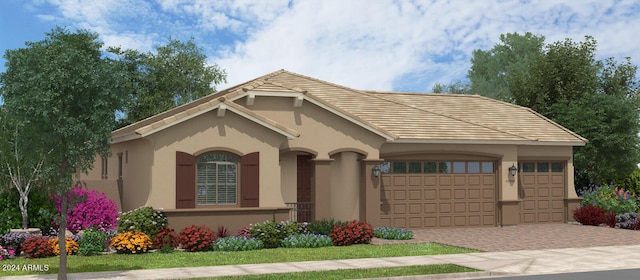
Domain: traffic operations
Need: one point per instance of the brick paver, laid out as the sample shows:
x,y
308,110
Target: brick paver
x,y
525,237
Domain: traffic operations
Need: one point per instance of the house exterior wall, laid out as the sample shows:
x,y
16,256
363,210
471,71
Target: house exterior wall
x,y
208,132
345,187
321,132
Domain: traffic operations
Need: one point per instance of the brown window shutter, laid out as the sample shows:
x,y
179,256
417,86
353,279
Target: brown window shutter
x,y
185,180
250,180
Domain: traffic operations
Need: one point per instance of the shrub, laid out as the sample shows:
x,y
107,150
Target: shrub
x,y
309,240
92,242
6,253
392,233
272,233
90,209
610,220
244,232
166,237
627,220
71,246
237,243
590,215
610,198
144,219
631,183
131,242
197,238
222,232
37,246
13,241
324,226
40,209
354,232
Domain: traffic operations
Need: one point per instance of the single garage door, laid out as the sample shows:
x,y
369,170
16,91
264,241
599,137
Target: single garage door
x,y
432,194
542,191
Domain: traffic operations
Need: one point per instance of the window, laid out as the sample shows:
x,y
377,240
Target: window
x,y
487,167
105,164
528,167
459,167
415,167
216,179
399,167
543,167
474,167
557,167
430,167
119,165
444,167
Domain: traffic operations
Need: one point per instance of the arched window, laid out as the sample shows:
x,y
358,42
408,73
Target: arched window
x,y
217,179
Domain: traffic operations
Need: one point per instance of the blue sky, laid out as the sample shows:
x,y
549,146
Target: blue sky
x,y
377,45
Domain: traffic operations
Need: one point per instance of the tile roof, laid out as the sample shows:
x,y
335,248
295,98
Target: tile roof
x,y
401,117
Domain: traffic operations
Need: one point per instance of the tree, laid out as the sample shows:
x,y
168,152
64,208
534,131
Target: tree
x,y
564,82
457,87
175,75
64,88
495,72
23,162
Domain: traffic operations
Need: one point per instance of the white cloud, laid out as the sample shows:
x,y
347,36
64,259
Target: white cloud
x,y
363,44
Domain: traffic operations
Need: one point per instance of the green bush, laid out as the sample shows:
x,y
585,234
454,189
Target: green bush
x,y
392,233
610,198
237,243
40,209
92,242
144,219
272,233
324,226
306,241
631,183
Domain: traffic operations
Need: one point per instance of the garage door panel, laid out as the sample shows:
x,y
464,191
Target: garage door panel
x,y
439,198
399,181
415,181
430,194
543,200
460,180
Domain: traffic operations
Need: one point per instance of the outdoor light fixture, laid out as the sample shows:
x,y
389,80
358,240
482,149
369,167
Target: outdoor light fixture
x,y
513,170
376,171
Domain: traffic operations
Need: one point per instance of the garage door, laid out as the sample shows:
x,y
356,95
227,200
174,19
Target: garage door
x,y
542,192
432,194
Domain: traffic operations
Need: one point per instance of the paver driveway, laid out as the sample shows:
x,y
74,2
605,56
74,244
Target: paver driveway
x,y
525,237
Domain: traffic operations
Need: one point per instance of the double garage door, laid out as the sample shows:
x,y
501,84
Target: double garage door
x,y
463,193
431,194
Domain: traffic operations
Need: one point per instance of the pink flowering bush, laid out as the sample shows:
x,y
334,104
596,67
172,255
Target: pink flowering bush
x,y
89,209
6,254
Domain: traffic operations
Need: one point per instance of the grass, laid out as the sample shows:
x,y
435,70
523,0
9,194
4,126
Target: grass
x,y
112,262
358,273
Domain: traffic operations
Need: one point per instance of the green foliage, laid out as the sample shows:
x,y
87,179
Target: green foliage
x,y
272,233
631,183
144,219
324,226
176,74
92,242
610,198
496,71
457,87
564,82
309,240
392,233
237,243
41,210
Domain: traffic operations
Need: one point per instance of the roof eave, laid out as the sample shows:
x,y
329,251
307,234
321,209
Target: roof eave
x,y
488,142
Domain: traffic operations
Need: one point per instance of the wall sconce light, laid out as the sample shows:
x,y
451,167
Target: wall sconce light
x,y
376,171
513,170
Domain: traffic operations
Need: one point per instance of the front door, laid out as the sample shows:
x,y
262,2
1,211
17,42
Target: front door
x,y
304,205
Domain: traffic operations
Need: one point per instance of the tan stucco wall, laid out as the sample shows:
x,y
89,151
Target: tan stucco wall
x,y
345,186
322,132
208,132
288,176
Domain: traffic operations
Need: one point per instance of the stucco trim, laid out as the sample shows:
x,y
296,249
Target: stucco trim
x,y
497,142
220,103
359,151
297,93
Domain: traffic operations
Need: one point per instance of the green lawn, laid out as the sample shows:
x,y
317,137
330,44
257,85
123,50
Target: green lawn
x,y
111,262
357,273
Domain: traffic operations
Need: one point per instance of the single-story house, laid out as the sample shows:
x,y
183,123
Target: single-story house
x,y
290,147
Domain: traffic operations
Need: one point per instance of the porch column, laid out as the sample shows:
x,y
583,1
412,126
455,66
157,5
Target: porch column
x,y
322,189
370,192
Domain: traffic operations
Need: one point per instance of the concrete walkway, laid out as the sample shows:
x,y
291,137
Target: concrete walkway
x,y
493,264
